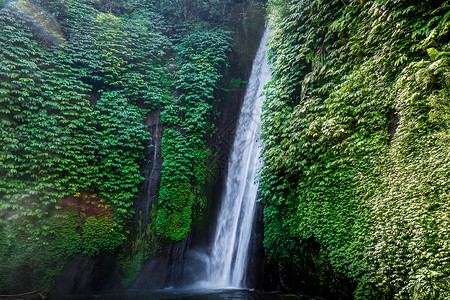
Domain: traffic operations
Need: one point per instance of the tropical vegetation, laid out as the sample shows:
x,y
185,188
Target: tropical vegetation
x,y
356,147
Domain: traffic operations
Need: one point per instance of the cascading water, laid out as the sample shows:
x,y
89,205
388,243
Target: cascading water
x,y
151,171
228,259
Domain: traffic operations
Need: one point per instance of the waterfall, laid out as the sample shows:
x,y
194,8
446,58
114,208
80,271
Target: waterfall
x,y
228,259
152,170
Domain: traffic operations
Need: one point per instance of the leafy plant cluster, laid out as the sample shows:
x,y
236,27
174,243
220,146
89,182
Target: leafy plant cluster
x,y
77,80
200,35
356,143
201,58
73,97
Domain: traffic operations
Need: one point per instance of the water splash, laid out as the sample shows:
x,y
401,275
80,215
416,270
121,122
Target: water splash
x,y
228,262
42,24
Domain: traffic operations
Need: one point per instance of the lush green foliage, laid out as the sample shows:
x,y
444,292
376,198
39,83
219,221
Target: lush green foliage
x,y
77,80
201,56
72,101
356,143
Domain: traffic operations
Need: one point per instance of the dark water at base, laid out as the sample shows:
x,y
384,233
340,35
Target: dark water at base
x,y
197,294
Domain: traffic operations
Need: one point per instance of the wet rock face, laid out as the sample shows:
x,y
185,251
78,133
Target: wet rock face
x,y
151,170
393,118
165,268
256,268
84,274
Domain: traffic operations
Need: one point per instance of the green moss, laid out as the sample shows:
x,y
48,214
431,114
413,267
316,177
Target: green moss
x,y
142,247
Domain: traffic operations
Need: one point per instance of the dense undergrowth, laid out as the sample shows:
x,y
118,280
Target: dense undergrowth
x,y
356,131
356,147
77,80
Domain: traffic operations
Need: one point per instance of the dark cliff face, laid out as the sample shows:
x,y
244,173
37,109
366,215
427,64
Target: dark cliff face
x,y
164,268
151,170
84,274
257,269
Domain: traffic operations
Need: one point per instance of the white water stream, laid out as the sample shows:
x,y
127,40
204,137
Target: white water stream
x,y
228,261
